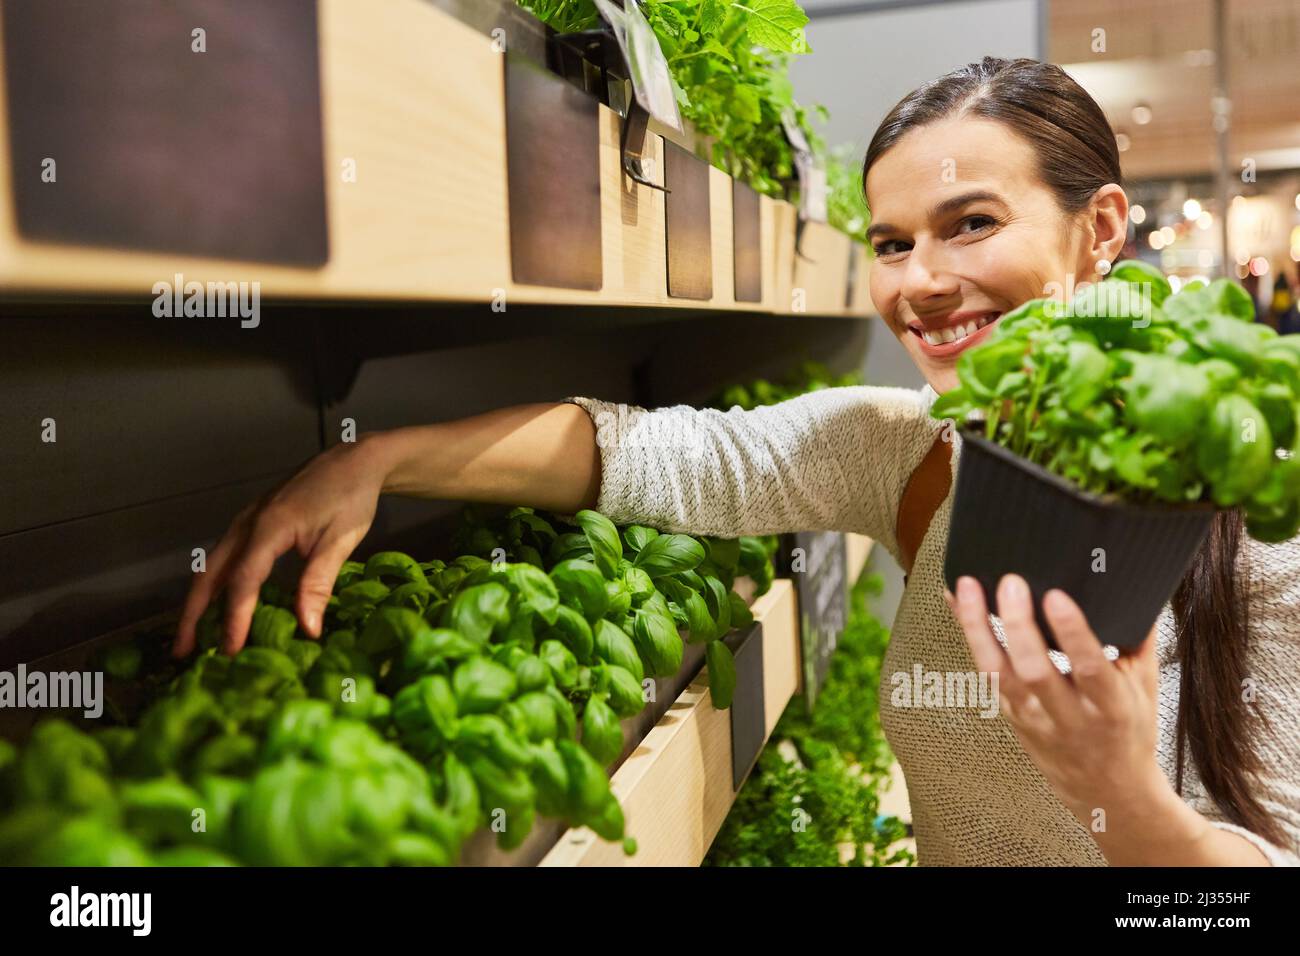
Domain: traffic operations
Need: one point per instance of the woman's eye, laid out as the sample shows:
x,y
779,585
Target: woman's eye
x,y
974,224
890,247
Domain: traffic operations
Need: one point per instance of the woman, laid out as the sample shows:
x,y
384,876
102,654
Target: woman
x,y
988,187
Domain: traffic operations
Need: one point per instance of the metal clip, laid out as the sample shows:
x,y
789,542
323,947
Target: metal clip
x,y
800,223
593,61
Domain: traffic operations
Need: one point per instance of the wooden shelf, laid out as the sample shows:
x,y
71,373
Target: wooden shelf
x,y
416,100
676,788
858,551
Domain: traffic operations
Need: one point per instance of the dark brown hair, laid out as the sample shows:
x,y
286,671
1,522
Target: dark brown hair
x,y
1077,155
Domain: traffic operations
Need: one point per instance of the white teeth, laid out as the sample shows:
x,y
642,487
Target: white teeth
x,y
957,332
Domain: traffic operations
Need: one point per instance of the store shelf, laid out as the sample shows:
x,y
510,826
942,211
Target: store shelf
x,y
676,787
412,101
860,303
857,552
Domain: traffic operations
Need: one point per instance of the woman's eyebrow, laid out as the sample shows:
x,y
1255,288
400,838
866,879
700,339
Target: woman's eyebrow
x,y
948,206
953,203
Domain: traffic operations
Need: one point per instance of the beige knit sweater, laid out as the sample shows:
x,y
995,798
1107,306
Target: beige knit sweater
x,y
838,460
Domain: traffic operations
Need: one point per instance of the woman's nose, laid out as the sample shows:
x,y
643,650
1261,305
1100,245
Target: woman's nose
x,y
927,274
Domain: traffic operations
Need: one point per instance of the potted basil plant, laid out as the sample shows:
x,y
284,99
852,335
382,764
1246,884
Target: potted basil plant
x,y
1101,434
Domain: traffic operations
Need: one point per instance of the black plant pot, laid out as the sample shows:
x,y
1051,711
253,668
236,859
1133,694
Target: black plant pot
x,y
1012,516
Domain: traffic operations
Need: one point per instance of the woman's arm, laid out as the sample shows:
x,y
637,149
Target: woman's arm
x,y
836,459
1154,827
544,455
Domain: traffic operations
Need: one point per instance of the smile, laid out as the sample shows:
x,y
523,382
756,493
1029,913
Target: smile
x,y
958,331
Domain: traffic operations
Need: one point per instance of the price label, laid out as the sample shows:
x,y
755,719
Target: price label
x,y
820,572
810,170
652,83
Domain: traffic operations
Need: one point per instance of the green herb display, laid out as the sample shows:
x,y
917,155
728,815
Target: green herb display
x,y
1131,390
729,65
443,698
821,807
846,203
807,377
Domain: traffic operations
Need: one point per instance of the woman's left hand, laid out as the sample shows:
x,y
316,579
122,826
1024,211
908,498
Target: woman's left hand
x,y
1092,733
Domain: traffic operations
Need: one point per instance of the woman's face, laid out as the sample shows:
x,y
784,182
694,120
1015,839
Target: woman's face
x,y
964,231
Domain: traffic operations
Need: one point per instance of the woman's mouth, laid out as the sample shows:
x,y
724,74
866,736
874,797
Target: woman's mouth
x,y
949,334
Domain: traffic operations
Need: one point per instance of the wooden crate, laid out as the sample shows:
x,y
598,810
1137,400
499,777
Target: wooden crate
x,y
821,271
860,304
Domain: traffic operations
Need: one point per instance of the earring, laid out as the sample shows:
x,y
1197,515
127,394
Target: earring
x,y
1103,266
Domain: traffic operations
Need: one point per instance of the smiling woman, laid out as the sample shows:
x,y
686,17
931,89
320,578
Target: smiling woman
x,y
991,186
986,187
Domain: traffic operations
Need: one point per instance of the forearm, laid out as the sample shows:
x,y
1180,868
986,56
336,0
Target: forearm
x,y
1159,829
543,455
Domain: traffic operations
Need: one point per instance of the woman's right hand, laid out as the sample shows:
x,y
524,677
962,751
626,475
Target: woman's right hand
x,y
323,512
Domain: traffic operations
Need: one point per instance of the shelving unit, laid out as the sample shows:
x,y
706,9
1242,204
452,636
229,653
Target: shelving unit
x,y
858,552
414,197
371,206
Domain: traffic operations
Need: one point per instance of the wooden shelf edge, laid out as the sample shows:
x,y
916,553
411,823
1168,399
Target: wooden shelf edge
x,y
676,788
424,221
858,548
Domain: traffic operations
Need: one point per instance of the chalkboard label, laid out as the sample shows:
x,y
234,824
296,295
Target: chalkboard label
x,y
748,709
181,126
818,565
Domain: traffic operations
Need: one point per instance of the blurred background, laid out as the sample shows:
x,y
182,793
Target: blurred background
x,y
1203,95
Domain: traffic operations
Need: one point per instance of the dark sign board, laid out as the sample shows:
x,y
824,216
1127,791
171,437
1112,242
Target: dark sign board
x,y
687,224
553,178
748,711
817,563
747,242
184,126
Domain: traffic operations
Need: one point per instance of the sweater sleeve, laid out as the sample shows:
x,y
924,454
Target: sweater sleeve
x,y
835,459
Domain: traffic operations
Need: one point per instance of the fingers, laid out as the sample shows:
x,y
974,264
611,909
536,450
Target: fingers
x,y
318,577
267,540
1093,675
973,616
1142,662
1028,651
204,586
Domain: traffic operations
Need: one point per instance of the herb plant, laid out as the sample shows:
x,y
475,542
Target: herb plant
x,y
807,377
1130,390
846,203
804,802
441,695
728,60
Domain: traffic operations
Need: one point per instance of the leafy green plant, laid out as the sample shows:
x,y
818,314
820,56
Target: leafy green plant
x,y
729,62
801,809
846,203
442,696
806,377
1133,391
